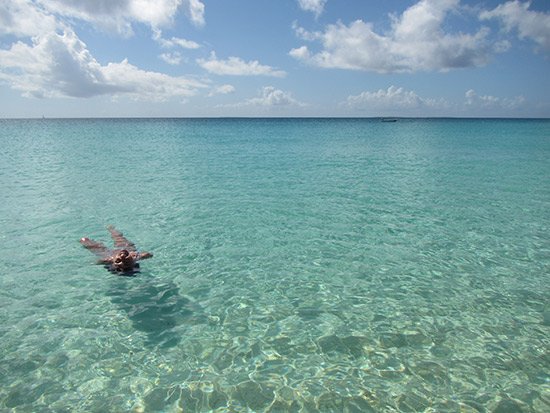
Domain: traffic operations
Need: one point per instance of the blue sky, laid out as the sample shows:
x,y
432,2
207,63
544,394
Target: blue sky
x,y
187,58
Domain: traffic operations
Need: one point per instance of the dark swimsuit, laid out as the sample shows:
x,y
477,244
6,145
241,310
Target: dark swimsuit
x,y
126,273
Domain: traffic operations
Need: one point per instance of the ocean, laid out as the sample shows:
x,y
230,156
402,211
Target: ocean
x,y
300,265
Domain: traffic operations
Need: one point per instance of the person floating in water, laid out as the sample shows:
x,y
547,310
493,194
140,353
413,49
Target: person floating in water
x,y
123,259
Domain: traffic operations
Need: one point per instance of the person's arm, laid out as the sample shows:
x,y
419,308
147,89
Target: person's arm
x,y
119,239
94,246
104,253
144,255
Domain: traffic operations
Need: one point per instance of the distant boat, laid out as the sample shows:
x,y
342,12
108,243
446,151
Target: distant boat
x,y
389,120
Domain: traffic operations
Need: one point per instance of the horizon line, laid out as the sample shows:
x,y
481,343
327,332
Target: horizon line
x,y
272,117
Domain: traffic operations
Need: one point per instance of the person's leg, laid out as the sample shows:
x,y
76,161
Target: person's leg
x,y
119,239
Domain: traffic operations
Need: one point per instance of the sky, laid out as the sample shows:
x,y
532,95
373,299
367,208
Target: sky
x,y
256,58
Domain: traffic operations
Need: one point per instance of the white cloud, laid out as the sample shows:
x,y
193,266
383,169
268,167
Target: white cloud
x,y
397,101
119,15
314,6
301,53
60,65
473,100
195,11
111,15
391,98
416,41
303,34
173,42
54,62
529,24
225,89
31,17
173,58
269,96
149,86
222,90
183,43
22,19
235,66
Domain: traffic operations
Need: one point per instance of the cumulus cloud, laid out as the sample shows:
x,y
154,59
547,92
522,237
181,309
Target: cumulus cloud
x,y
398,101
113,15
60,65
235,66
391,98
492,102
515,15
21,18
195,11
53,62
314,6
416,41
119,15
31,17
149,86
269,96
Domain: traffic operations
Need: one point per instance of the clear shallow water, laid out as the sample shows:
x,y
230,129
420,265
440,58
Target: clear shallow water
x,y
300,265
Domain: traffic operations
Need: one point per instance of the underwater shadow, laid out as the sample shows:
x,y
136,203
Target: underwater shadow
x,y
155,308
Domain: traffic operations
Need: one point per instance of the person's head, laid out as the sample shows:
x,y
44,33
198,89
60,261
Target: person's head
x,y
134,255
123,261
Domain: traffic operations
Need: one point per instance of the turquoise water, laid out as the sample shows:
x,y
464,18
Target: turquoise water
x,y
300,265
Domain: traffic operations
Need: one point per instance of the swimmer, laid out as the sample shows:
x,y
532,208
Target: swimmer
x,y
122,260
